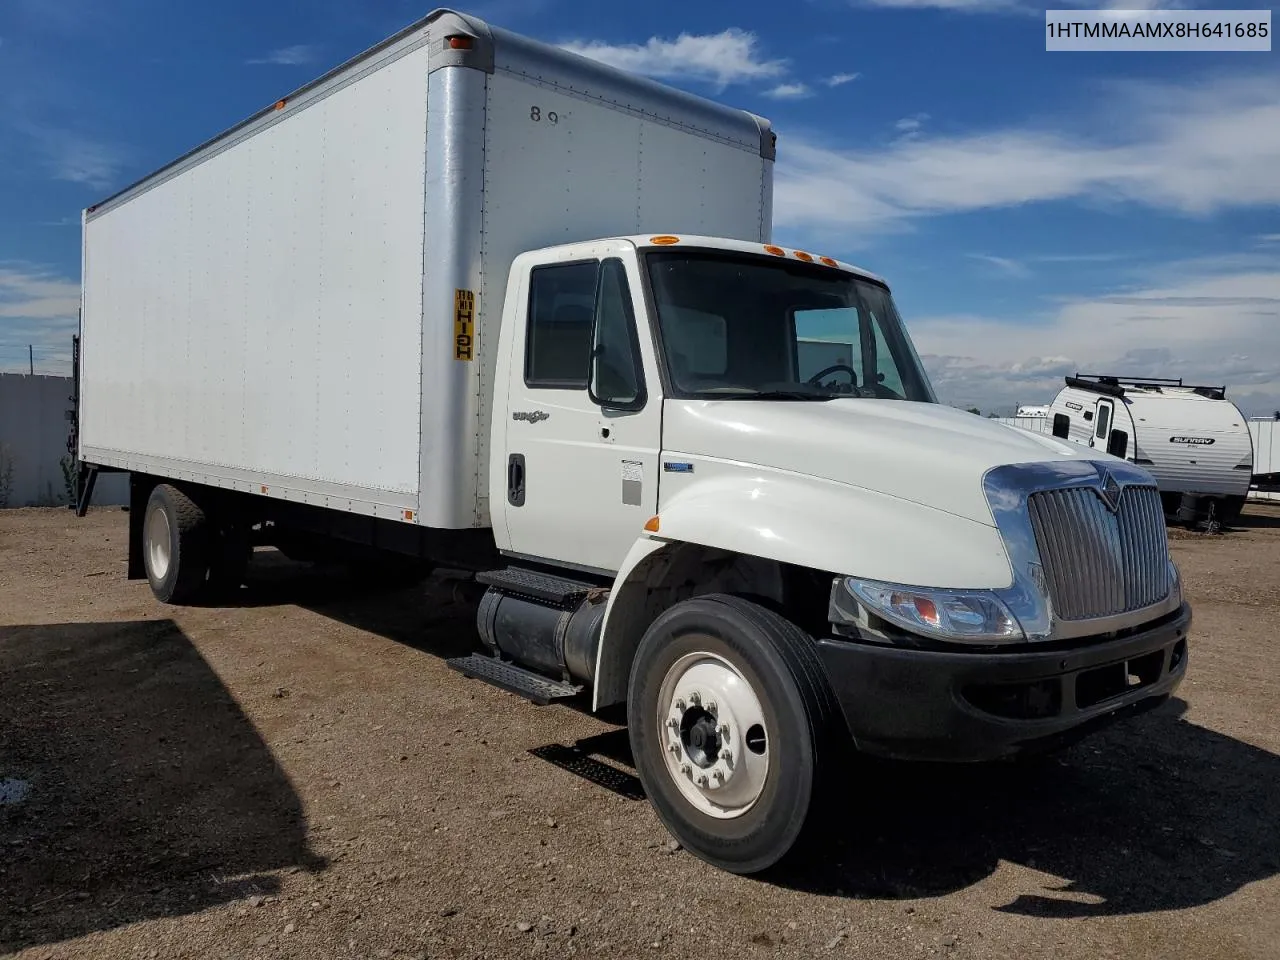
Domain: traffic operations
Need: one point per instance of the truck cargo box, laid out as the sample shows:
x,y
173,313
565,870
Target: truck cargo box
x,y
302,306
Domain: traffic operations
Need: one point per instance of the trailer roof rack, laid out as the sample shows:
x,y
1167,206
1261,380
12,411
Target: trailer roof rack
x,y
1107,386
1093,381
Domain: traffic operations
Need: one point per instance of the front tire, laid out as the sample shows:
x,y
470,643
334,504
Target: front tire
x,y
175,546
734,730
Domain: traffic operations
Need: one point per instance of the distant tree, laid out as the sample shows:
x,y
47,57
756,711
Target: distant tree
x,y
992,415
975,411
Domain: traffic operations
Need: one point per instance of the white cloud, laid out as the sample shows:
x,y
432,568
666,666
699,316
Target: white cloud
x,y
911,126
1004,265
31,291
1268,238
840,79
1207,326
73,156
789,91
1192,148
37,307
730,56
293,56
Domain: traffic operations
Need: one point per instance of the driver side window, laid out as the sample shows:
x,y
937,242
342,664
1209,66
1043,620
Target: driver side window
x,y
616,380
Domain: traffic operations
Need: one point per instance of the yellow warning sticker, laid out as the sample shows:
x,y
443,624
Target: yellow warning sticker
x,y
464,324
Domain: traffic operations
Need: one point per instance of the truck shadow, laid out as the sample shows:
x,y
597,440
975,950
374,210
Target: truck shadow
x,y
1153,814
427,614
1259,516
142,789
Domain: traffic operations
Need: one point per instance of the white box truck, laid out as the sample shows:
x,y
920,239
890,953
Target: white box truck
x,y
491,305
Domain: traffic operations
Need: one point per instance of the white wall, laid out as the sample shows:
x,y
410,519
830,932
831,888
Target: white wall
x,y
33,441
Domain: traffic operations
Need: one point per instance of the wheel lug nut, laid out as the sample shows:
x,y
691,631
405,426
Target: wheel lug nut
x,y
673,748
695,698
680,706
686,769
726,756
702,780
724,731
711,707
674,724
719,775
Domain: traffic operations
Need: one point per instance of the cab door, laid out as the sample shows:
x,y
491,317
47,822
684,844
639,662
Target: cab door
x,y
582,433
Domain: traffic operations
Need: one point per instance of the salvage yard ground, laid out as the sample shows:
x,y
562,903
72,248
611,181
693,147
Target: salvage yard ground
x,y
300,775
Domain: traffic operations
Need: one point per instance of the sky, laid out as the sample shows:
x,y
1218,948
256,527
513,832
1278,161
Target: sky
x,y
1036,214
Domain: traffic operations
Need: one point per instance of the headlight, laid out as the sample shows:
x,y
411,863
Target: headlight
x,y
976,616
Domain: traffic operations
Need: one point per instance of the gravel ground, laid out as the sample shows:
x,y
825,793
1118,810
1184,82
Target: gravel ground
x,y
301,776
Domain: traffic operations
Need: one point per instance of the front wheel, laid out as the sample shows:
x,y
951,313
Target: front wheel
x,y
733,729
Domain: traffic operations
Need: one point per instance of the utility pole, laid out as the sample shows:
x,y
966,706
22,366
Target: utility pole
x,y
31,359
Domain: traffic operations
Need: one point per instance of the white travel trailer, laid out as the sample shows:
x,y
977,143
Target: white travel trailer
x,y
1192,438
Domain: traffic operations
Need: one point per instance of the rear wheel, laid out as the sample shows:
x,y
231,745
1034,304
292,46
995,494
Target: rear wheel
x,y
733,729
175,546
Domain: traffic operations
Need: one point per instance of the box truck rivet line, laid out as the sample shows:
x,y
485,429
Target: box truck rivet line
x,y
694,473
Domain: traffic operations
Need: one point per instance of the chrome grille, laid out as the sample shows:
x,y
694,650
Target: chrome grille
x,y
1098,563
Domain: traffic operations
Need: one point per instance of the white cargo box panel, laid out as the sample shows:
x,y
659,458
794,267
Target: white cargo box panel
x,y
306,306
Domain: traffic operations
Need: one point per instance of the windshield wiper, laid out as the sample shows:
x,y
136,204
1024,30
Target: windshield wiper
x,y
782,394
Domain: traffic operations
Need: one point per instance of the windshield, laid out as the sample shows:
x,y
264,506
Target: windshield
x,y
740,326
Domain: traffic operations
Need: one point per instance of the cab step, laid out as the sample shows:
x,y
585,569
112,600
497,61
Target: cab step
x,y
543,587
534,687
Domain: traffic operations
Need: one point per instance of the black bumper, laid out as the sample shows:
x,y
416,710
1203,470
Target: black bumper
x,y
929,705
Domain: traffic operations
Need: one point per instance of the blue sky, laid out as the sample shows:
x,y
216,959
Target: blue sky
x,y
1035,213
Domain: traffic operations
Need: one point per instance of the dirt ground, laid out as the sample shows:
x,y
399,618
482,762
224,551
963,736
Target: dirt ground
x,y
300,775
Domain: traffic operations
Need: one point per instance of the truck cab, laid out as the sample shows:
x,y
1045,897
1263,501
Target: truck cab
x,y
772,559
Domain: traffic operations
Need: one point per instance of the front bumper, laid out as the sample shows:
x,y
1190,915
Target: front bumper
x,y
968,705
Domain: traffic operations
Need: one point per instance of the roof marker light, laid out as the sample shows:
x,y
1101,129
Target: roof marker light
x,y
829,262
459,42
806,257
664,241
651,524
776,251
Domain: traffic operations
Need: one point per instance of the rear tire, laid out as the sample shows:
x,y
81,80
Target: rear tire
x,y
773,714
175,546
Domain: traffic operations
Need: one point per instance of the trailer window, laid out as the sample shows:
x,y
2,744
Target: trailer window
x,y
1104,420
562,301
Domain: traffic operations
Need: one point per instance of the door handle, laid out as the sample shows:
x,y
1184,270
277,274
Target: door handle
x,y
515,479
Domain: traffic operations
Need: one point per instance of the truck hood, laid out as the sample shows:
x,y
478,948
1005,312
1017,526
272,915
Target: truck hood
x,y
928,453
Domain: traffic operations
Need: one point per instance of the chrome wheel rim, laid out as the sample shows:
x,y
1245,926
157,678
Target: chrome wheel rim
x,y
715,743
156,534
